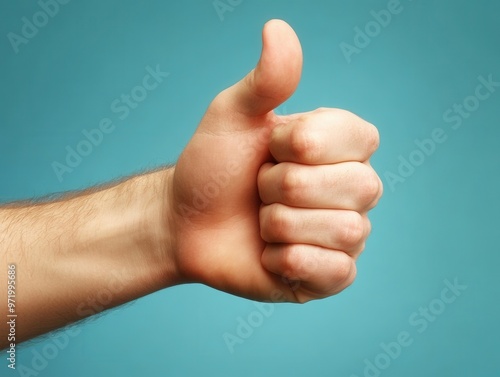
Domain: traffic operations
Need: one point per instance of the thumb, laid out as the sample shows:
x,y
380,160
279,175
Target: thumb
x,y
276,76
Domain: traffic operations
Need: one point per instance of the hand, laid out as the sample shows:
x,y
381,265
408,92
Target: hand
x,y
268,207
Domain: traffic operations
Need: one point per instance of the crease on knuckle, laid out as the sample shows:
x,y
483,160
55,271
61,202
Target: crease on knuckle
x,y
304,144
372,138
293,263
353,231
292,185
277,225
345,273
369,188
380,192
368,226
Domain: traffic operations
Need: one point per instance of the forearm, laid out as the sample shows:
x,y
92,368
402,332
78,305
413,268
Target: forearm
x,y
86,253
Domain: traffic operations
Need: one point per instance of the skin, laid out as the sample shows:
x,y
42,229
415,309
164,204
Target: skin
x,y
267,207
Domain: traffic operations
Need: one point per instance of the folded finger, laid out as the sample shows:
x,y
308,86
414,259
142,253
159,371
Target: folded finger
x,y
332,229
324,136
349,185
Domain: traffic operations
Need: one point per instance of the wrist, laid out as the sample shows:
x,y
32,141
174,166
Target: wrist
x,y
156,228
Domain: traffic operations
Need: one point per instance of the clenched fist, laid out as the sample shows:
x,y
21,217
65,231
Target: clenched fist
x,y
269,207
272,208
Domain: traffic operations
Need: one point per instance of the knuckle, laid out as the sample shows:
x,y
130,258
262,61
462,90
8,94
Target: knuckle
x,y
347,117
380,191
368,226
323,110
264,180
219,103
305,146
342,114
292,185
274,223
369,187
364,132
345,272
353,230
360,249
372,138
293,263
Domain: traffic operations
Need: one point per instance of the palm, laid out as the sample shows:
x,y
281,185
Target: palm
x,y
215,191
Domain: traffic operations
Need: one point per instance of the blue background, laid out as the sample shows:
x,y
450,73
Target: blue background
x,y
440,223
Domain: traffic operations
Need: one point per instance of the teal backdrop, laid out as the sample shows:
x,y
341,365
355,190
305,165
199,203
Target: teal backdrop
x,y
427,73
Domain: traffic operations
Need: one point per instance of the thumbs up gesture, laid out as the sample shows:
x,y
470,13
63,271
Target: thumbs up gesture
x,y
268,207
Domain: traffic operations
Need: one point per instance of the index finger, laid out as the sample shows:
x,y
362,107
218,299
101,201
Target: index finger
x,y
324,136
